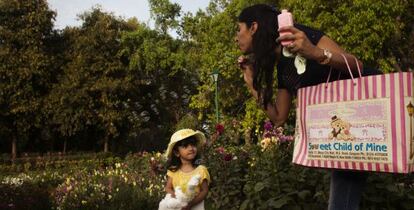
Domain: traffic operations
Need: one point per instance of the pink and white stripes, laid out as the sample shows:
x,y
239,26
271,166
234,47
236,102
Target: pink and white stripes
x,y
396,88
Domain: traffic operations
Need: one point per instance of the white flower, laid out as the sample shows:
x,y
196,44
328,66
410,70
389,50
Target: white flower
x,y
16,181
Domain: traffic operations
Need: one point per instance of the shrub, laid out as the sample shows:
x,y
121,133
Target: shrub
x,y
273,182
120,187
227,168
24,196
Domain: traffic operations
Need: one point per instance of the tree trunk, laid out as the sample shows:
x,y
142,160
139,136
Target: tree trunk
x,y
14,148
106,144
64,146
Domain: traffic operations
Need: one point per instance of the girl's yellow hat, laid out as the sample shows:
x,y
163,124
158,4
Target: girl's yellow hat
x,y
183,134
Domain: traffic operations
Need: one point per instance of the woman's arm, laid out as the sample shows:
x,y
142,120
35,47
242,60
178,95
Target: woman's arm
x,y
278,111
304,47
169,187
336,61
200,197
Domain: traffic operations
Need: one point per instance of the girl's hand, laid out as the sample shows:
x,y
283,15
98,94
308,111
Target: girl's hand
x,y
300,44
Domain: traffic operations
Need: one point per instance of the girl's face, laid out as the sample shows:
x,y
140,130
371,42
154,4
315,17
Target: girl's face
x,y
187,149
244,37
188,152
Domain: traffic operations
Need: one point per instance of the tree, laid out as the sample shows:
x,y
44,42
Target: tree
x,y
165,14
163,83
25,73
93,94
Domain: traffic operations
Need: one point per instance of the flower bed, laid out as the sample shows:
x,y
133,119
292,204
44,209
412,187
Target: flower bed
x,y
259,176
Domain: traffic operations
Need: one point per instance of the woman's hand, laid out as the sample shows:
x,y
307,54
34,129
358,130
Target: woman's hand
x,y
300,44
304,47
247,69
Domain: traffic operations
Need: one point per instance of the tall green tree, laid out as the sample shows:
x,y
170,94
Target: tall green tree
x,y
25,66
92,95
165,14
163,83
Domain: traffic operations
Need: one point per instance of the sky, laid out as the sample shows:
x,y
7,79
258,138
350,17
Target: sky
x,y
67,10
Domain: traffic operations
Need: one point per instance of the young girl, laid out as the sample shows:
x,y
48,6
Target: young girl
x,y
183,153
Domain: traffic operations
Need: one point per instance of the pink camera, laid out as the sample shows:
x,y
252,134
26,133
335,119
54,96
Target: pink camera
x,y
285,19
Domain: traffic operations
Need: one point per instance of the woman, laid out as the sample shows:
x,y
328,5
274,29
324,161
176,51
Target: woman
x,y
258,36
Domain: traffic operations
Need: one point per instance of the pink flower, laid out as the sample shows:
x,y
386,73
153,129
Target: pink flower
x,y
228,157
268,126
219,129
220,150
267,135
284,138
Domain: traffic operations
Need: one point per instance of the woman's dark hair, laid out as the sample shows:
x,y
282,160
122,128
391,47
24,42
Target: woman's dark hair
x,y
264,45
174,162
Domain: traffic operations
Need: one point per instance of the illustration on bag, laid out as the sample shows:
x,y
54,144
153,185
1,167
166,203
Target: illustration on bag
x,y
340,129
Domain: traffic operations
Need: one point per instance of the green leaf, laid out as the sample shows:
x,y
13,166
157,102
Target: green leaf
x,y
244,204
259,187
303,194
279,202
392,188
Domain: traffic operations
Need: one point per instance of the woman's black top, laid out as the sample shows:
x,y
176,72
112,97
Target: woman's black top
x,y
315,73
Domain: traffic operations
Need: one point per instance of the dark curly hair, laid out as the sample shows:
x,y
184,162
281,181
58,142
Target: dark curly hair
x,y
174,162
264,45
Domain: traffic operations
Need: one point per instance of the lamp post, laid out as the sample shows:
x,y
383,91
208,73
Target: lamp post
x,y
410,109
215,75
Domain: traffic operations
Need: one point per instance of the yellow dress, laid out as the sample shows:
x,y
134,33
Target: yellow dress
x,y
180,178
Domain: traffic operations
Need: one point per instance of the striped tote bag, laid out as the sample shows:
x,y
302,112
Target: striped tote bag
x,y
363,123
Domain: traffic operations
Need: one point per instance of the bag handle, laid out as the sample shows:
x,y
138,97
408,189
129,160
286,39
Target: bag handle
x,y
349,69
